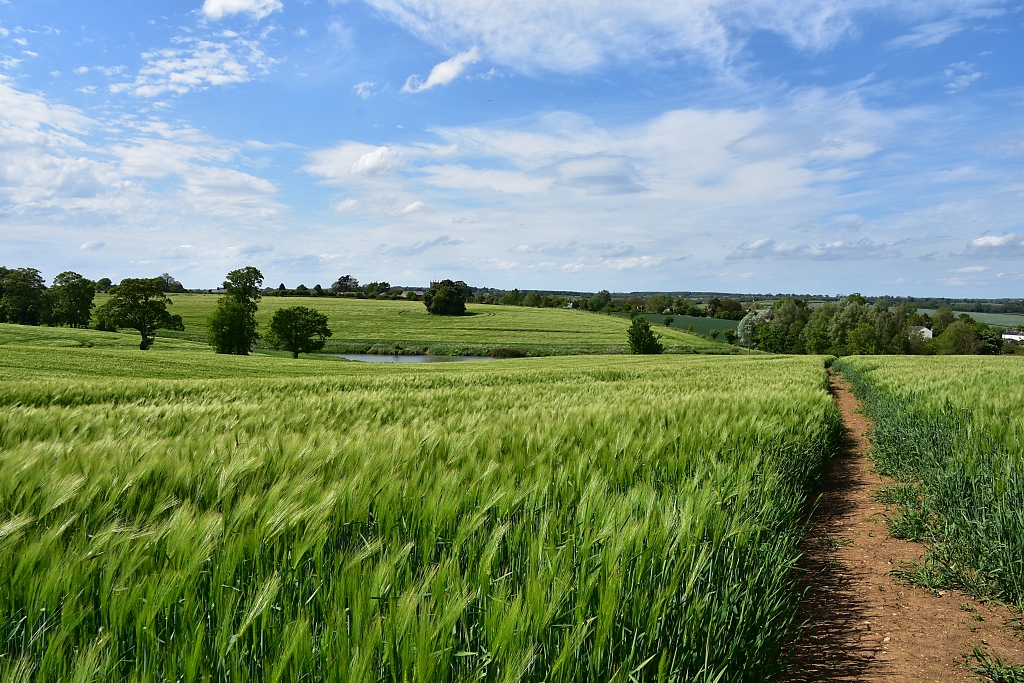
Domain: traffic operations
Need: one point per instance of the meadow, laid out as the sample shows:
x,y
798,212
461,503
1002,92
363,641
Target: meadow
x,y
381,325
598,518
950,430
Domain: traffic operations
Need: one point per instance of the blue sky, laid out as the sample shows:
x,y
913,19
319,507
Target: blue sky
x,y
726,145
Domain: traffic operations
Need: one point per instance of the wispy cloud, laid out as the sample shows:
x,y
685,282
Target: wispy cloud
x,y
196,65
961,75
443,73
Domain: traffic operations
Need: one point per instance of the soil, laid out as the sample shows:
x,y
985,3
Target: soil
x,y
861,624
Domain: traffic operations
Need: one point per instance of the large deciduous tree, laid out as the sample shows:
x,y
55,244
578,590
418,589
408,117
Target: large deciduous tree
x,y
71,300
22,296
140,303
447,298
345,283
298,329
232,327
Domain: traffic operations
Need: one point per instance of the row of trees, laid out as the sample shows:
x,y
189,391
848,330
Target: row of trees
x,y
26,300
853,327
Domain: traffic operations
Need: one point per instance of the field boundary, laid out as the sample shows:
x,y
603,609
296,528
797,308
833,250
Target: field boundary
x,y
860,623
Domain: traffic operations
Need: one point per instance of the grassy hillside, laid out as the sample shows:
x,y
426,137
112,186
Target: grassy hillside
x,y
553,519
361,325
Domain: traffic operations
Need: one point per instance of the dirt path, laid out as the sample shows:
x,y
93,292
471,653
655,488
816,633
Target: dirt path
x,y
862,624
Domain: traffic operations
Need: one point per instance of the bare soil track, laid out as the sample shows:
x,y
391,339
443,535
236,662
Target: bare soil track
x,y
861,623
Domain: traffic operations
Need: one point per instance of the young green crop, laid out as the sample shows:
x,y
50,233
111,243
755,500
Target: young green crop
x,y
555,519
361,325
954,428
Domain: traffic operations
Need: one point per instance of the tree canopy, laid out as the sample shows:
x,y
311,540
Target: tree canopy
x,y
447,297
232,327
71,300
23,297
140,303
642,340
298,329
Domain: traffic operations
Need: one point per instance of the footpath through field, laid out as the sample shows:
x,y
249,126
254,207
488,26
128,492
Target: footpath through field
x,y
863,624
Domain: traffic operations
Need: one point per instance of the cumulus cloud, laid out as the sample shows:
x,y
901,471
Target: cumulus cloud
x,y
380,160
93,246
218,9
443,73
1008,245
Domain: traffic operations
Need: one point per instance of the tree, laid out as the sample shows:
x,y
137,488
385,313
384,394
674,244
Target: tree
x,y
447,297
641,339
713,333
298,329
71,300
232,328
668,321
22,296
959,338
730,335
531,300
345,283
103,284
599,301
140,303
171,285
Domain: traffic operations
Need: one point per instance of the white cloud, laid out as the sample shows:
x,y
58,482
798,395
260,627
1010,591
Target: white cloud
x,y
961,75
346,205
363,89
928,34
575,35
217,9
198,65
8,62
81,70
994,241
970,269
412,207
443,73
380,160
92,246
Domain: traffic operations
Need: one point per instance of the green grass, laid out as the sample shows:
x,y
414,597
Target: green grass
x,y
371,325
600,518
953,426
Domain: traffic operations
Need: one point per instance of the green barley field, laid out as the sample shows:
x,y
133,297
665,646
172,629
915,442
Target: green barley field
x,y
950,429
376,325
180,516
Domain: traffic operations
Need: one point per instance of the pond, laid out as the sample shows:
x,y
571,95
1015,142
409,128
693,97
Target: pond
x,y
380,358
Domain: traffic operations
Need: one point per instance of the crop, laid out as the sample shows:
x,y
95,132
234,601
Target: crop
x,y
375,325
554,519
952,428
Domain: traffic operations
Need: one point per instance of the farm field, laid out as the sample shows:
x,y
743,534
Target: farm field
x,y
602,518
361,325
951,430
682,322
1014,320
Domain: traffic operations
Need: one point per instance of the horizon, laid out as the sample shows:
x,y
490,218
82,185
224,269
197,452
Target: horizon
x,y
664,147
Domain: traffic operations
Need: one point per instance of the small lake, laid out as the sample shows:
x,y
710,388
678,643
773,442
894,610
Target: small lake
x,y
381,358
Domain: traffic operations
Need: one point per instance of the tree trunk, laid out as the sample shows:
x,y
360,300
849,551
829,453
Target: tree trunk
x,y
146,341
295,354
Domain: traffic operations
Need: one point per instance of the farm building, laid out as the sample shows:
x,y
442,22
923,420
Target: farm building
x,y
924,332
1013,335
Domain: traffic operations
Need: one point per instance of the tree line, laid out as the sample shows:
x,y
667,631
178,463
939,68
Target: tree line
x,y
853,327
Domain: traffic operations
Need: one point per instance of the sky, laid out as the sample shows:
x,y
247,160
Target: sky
x,y
820,146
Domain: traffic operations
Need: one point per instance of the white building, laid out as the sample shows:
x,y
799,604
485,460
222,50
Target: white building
x,y
1013,335
924,332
